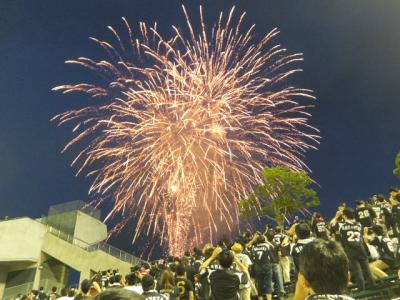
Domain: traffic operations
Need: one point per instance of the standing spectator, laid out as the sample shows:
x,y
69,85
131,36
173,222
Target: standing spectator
x,y
276,269
41,295
149,289
167,285
323,272
64,294
302,236
351,238
225,283
262,265
318,226
133,283
116,281
246,261
119,294
86,286
365,215
186,289
284,260
54,294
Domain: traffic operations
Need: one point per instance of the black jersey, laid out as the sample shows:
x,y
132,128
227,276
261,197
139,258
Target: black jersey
x,y
278,238
396,213
296,248
385,249
387,211
319,229
350,235
377,210
261,256
185,286
365,215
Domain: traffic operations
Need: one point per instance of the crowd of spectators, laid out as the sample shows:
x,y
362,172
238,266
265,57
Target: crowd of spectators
x,y
314,258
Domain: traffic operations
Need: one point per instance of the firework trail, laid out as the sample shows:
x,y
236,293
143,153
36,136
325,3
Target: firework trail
x,y
180,129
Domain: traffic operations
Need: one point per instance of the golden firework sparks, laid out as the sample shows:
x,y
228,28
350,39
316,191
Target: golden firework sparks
x,y
180,128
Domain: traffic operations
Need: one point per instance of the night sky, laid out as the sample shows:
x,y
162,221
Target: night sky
x,y
352,62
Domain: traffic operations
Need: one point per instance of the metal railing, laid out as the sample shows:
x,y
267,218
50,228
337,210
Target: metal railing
x,y
118,253
102,246
11,292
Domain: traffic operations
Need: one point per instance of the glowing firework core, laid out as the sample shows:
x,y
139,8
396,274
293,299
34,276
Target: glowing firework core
x,y
183,127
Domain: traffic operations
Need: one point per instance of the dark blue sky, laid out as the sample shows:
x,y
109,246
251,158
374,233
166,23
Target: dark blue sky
x,y
352,62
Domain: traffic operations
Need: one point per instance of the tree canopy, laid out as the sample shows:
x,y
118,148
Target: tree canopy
x,y
284,192
396,171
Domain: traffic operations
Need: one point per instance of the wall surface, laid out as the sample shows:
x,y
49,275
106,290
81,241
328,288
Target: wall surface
x,y
21,240
89,229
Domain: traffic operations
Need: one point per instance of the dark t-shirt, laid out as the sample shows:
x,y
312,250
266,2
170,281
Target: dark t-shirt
x,y
350,235
385,249
319,229
365,215
225,284
295,250
261,257
185,286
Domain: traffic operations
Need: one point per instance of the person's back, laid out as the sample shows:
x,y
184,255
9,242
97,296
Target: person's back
x,y
42,295
365,215
351,238
303,233
186,289
224,284
149,291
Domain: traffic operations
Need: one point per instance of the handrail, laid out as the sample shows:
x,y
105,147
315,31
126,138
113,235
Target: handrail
x,y
102,246
114,251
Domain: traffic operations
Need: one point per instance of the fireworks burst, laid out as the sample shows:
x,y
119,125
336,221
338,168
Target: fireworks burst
x,y
181,128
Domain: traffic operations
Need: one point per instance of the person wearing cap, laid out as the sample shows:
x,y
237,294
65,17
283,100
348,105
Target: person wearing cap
x,y
244,289
149,289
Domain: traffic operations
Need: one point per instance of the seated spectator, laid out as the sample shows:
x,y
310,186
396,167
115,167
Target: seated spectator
x,y
224,283
385,248
149,289
118,294
323,272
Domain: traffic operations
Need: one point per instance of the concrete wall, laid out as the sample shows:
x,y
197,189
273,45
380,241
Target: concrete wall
x,y
89,229
81,260
21,240
64,221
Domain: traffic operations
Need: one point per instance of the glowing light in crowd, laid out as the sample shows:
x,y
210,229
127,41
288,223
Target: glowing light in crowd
x,y
179,129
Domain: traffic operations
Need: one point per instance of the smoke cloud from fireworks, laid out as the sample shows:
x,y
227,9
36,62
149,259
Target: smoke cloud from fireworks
x,y
179,129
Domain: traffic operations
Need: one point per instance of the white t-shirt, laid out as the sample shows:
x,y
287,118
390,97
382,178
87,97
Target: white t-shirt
x,y
135,288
